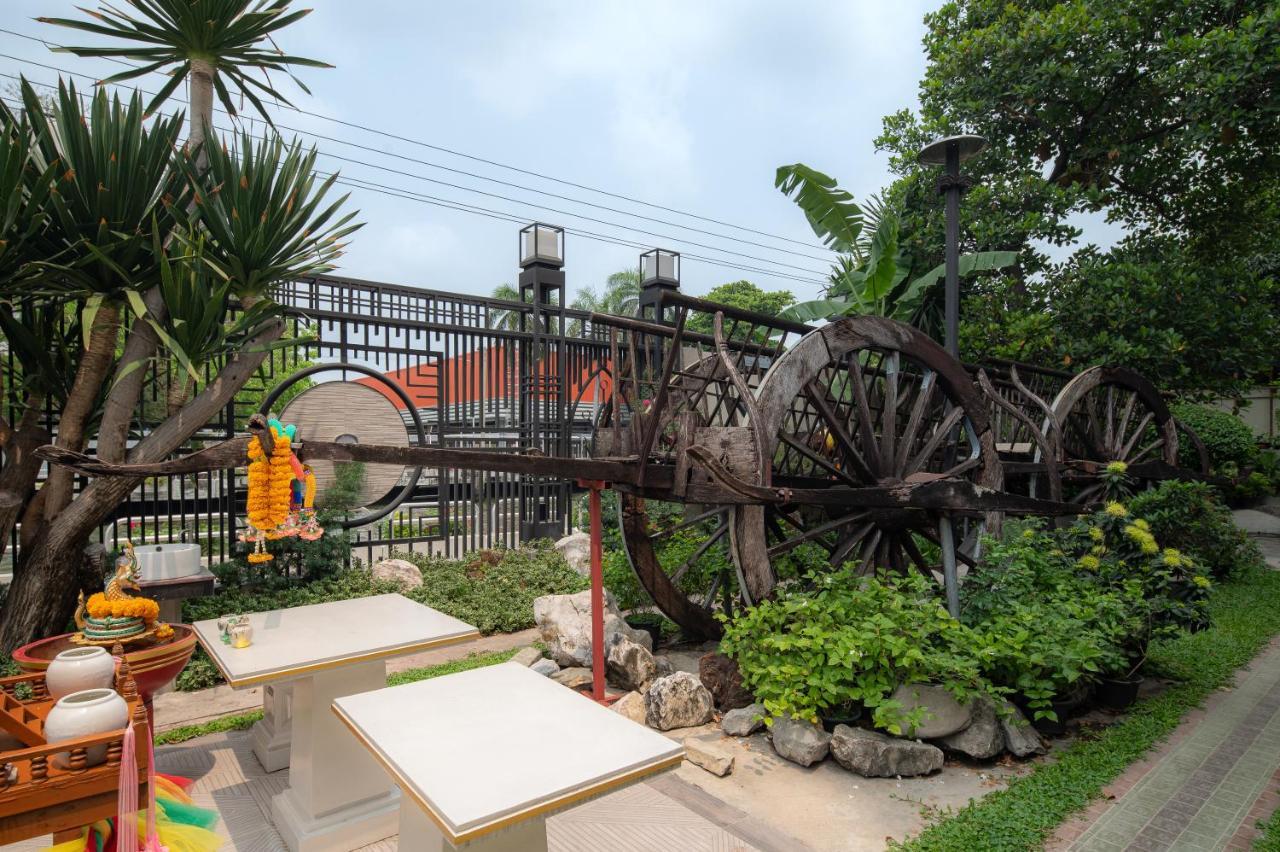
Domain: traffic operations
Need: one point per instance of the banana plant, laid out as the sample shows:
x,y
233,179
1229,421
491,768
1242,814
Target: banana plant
x,y
872,276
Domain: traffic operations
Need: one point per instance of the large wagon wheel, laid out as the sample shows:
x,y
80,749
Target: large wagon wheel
x,y
1110,414
687,584
864,402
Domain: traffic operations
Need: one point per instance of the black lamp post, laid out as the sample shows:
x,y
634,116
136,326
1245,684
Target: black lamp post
x,y
659,273
949,152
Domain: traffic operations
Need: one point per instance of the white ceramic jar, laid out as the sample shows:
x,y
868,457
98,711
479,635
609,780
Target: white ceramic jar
x,y
79,669
81,714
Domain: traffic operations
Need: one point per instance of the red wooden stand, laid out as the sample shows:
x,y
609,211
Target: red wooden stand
x,y
594,487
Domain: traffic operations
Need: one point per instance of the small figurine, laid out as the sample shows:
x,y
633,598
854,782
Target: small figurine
x,y
113,615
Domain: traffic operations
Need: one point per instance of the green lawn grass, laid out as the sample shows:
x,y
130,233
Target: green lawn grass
x,y
244,720
1245,615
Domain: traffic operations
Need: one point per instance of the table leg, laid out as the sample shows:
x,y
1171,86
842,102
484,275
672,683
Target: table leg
x,y
271,736
338,796
419,834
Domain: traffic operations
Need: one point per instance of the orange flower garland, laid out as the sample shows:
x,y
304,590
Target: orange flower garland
x,y
144,608
280,489
270,490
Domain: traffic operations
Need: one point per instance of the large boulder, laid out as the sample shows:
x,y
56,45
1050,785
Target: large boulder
x,y
943,715
402,572
564,622
743,721
984,738
721,677
1020,738
576,550
630,663
800,742
677,701
874,755
631,706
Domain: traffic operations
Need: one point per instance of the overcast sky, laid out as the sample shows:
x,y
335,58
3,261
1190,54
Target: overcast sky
x,y
691,106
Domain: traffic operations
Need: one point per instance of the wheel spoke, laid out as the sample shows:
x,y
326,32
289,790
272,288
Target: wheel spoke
x,y
909,545
841,553
821,529
697,554
939,435
1125,414
889,416
818,397
1135,437
711,593
869,552
962,557
918,411
963,467
661,534
864,410
803,450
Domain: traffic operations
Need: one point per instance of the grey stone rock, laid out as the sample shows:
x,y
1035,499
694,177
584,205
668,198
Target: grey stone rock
x,y
709,756
800,742
1020,738
721,677
743,721
630,664
943,714
527,656
664,666
403,573
874,755
984,738
576,550
574,677
677,701
545,667
631,706
564,622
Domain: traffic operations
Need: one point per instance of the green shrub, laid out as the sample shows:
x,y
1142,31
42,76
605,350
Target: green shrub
x,y
1191,517
1229,441
200,673
851,641
494,589
621,580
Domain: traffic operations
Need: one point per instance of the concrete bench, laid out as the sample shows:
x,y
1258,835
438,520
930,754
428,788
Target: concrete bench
x,y
483,757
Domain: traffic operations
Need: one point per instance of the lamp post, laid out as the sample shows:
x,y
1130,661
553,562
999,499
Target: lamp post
x,y
949,152
659,273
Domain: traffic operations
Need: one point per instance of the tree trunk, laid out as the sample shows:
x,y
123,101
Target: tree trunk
x,y
20,467
73,422
201,121
180,386
42,596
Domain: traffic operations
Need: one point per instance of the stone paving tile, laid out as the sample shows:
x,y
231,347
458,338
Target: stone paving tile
x,y
636,819
1210,783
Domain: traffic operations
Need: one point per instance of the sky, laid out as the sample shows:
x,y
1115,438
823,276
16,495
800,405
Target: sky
x,y
687,106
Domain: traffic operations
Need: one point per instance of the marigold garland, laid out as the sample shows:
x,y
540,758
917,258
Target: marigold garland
x,y
144,608
270,504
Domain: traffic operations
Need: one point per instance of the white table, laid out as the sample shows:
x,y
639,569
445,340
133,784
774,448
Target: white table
x,y
483,757
338,797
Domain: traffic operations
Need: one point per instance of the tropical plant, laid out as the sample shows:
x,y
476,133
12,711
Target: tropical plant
x,y
1191,517
506,319
1227,438
872,276
120,194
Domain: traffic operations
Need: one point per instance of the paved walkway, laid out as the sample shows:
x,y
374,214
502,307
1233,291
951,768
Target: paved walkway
x,y
664,815
1214,779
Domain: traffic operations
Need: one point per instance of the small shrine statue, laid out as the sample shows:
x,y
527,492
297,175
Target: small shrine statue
x,y
113,615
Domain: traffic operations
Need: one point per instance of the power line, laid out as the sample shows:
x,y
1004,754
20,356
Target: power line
x,y
464,188
495,163
356,182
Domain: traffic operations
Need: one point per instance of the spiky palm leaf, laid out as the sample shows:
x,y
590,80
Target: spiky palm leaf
x,y
25,178
232,35
261,207
114,177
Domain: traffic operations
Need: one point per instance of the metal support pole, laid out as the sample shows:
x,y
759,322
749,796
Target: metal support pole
x,y
597,593
950,579
953,250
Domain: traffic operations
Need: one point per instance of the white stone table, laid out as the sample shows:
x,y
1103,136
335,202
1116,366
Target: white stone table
x,y
483,757
338,797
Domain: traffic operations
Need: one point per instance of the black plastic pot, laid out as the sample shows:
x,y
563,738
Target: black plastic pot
x,y
841,716
1063,708
1118,693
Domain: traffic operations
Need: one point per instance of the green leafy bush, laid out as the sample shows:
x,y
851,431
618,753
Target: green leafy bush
x,y
621,580
1229,441
850,641
1191,517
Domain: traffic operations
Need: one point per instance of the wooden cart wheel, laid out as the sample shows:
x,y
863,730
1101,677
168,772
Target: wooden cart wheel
x,y
690,583
864,402
1112,414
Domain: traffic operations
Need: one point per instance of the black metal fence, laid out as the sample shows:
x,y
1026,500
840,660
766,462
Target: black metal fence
x,y
481,372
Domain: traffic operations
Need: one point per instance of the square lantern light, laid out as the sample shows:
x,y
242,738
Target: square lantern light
x,y
659,266
542,243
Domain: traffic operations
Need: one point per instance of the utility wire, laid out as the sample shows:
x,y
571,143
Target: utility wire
x,y
464,188
494,163
357,182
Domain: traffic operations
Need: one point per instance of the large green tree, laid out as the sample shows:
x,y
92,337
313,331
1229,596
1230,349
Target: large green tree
x,y
1161,115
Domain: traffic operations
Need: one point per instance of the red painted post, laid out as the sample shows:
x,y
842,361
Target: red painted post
x,y
597,597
